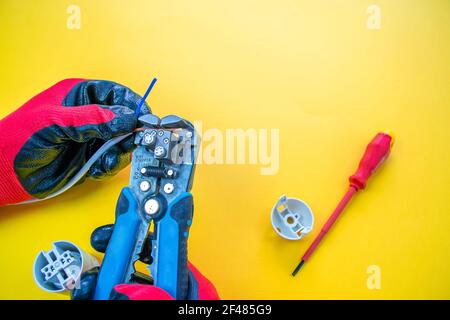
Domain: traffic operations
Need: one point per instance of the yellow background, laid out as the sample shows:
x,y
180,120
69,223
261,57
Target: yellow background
x,y
310,68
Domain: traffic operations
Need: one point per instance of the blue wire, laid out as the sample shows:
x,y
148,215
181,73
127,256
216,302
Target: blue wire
x,y
141,103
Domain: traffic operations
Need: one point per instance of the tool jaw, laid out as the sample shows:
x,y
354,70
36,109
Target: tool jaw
x,y
163,162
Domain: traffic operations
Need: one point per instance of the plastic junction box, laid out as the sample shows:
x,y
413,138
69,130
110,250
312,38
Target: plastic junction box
x,y
292,218
60,268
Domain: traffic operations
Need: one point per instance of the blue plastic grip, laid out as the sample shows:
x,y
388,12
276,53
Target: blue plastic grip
x,y
170,265
120,247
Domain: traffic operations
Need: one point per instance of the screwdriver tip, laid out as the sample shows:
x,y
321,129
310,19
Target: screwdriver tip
x,y
297,269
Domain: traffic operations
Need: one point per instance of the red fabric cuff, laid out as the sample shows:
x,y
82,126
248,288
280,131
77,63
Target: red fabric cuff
x,y
142,292
11,191
206,290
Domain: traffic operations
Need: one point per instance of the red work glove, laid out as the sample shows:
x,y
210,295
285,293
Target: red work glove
x,y
205,290
45,143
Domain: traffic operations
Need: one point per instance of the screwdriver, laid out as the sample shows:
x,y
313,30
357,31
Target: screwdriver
x,y
376,153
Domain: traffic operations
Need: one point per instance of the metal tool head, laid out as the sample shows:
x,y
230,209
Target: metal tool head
x,y
172,139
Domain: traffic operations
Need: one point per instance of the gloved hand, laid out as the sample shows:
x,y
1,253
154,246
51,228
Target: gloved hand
x,y
45,143
200,288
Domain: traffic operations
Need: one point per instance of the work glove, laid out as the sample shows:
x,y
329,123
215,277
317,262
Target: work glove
x,y
200,288
47,141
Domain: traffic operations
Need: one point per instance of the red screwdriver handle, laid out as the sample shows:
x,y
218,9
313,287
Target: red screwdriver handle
x,y
376,152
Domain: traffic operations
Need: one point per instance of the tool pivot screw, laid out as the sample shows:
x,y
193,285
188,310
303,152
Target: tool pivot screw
x,y
166,141
161,133
151,206
170,172
168,188
160,151
148,138
143,170
144,185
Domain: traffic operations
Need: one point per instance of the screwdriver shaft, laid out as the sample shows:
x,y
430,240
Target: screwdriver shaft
x,y
331,220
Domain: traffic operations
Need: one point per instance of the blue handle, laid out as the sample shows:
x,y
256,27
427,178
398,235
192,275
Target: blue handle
x,y
120,248
170,263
